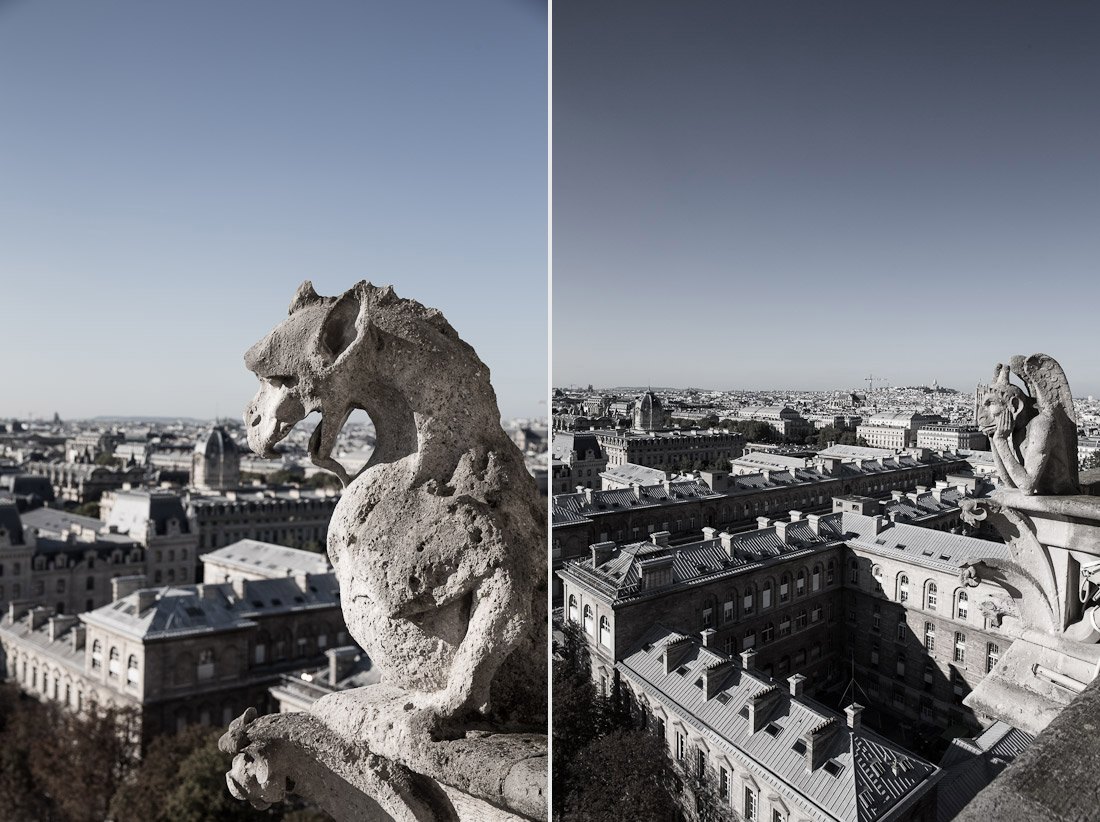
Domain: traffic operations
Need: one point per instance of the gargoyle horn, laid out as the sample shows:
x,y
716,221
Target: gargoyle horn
x,y
305,295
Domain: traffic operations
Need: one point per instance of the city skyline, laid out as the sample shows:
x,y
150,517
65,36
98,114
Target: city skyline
x,y
169,175
823,192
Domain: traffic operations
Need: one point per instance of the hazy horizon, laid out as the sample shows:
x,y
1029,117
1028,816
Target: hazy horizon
x,y
170,173
809,193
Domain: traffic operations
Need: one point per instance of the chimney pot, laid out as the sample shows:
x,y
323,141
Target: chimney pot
x,y
796,683
748,658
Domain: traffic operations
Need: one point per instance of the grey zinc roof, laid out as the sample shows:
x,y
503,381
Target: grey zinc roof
x,y
52,522
921,546
863,790
11,522
629,472
269,559
971,764
574,507
194,609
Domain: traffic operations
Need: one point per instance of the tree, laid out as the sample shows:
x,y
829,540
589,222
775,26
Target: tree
x,y
106,459
201,793
577,714
624,775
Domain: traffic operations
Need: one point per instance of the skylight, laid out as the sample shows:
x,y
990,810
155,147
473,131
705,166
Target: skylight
x,y
833,768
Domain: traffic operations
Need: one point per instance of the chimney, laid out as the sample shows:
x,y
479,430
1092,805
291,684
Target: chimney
x,y
767,475
726,539
709,533
922,489
588,494
660,538
795,682
853,712
815,523
937,494
897,495
637,488
301,579
58,625
760,708
240,588
16,609
78,636
817,743
880,523
39,615
748,658
601,552
781,531
795,515
673,652
124,586
340,662
762,522
714,676
146,598
707,635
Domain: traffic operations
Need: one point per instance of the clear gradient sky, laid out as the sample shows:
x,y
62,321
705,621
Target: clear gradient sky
x,y
170,172
798,194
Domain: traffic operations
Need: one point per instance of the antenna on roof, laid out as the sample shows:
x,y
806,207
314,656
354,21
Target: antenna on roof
x,y
853,685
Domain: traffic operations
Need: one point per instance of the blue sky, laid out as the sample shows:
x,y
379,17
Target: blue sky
x,y
799,194
170,172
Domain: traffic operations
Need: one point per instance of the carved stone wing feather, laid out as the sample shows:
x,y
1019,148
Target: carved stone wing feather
x,y
1047,382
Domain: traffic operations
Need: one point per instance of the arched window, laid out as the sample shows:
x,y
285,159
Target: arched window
x,y
800,583
588,619
815,579
605,632
132,670
205,669
572,608
750,639
930,596
766,595
114,666
767,634
830,572
903,588
964,605
97,655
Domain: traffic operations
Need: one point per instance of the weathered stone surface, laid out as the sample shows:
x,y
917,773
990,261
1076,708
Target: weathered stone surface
x,y
1055,778
438,544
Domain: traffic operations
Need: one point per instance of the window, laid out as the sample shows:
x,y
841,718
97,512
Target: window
x,y
785,625
97,655
800,584
901,664
61,586
750,804
903,630
853,571
746,605
573,608
874,655
132,670
876,618
815,579
930,597
800,620
750,639
766,595
964,605
114,666
588,627
930,637
708,617
89,584
700,764
830,572
679,746
205,669
960,648
723,783
784,589
903,588
992,656
767,633
815,614
605,632
778,816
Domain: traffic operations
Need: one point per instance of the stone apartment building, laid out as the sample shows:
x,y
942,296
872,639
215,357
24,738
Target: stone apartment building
x,y
576,461
895,429
809,595
670,449
784,420
294,517
951,438
178,654
84,482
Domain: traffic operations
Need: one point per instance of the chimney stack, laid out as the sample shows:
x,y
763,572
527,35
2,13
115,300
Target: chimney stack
x,y
601,552
853,712
726,539
146,598
78,636
815,523
660,538
762,522
708,532
748,658
707,635
796,682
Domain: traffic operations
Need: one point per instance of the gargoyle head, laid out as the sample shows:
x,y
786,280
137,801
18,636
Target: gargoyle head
x,y
296,363
1005,407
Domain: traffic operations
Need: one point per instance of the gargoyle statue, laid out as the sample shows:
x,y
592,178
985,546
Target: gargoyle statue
x,y
438,542
1033,434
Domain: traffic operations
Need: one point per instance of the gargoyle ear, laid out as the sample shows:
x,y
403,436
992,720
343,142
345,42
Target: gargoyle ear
x,y
339,329
303,297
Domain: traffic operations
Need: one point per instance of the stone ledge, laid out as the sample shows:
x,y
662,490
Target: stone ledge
x,y
1057,778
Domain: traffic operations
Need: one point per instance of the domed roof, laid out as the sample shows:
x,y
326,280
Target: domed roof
x,y
649,400
216,443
